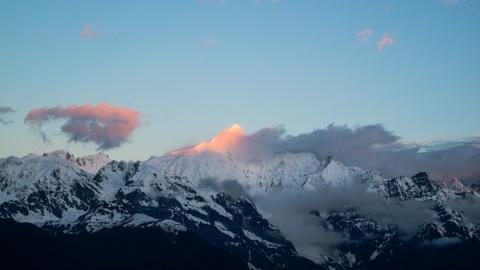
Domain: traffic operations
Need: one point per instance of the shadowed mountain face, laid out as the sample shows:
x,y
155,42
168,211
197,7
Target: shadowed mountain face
x,y
25,246
212,211
137,198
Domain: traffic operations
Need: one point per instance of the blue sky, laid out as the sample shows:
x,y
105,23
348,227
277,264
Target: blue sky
x,y
193,67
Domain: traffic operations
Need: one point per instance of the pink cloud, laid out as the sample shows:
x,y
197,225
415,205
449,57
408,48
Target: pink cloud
x,y
211,43
107,126
386,40
364,34
88,33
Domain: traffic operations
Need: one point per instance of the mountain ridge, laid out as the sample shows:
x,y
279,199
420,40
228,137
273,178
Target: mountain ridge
x,y
171,194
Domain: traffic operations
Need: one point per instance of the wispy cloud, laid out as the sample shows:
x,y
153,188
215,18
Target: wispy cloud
x,y
386,40
5,110
211,43
105,125
88,33
364,34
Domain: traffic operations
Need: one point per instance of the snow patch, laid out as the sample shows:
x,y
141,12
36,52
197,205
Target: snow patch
x,y
172,226
224,229
250,235
139,219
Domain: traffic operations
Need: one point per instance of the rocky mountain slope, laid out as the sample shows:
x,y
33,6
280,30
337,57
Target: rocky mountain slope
x,y
379,238
211,197
59,196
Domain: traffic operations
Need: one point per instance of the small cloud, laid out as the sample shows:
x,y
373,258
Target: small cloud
x,y
211,43
388,8
386,40
364,34
88,33
104,125
5,110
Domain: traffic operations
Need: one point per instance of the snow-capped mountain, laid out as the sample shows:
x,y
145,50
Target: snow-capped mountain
x,y
90,163
55,193
37,189
290,171
198,194
302,171
383,241
294,172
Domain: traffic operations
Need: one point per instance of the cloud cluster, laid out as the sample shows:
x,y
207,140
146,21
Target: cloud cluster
x,y
5,110
364,34
368,147
103,124
292,213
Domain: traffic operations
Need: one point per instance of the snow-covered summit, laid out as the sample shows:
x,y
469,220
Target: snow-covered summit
x,y
56,191
289,171
90,163
93,163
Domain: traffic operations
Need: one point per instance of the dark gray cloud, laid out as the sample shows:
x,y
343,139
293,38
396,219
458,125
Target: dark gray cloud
x,y
469,208
369,147
5,110
291,213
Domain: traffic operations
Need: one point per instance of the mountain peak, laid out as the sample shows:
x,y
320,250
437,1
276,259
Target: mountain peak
x,y
62,154
93,163
90,163
221,143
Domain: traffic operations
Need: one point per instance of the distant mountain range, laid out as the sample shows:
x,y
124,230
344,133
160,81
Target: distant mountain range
x,y
204,211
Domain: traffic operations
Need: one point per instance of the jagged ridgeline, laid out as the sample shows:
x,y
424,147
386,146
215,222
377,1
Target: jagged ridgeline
x,y
201,212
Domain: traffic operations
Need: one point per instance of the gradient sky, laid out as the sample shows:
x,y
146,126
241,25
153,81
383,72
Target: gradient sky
x,y
193,67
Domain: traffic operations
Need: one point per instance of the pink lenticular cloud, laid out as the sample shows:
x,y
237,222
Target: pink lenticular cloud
x,y
105,125
386,40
